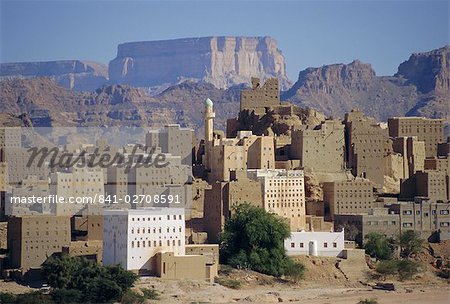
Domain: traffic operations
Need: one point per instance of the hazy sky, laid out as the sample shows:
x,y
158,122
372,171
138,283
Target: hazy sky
x,y
310,33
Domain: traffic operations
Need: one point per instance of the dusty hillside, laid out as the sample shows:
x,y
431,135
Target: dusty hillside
x,y
40,102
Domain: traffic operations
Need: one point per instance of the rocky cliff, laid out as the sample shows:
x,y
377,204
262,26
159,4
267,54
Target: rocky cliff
x,y
421,87
429,71
71,74
222,61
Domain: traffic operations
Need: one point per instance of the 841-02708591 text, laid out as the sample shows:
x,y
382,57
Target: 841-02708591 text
x,y
139,199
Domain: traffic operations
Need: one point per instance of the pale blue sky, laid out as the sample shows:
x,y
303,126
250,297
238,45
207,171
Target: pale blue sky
x,y
310,33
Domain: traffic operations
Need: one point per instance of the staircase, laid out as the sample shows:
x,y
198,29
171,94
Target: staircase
x,y
353,265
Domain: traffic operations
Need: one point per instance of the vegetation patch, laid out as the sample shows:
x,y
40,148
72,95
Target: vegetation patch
x,y
228,282
254,239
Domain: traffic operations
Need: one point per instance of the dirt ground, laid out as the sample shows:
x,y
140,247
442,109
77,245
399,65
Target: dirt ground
x,y
323,284
199,292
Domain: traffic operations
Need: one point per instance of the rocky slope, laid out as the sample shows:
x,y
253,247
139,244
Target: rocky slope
x,y
71,74
41,102
421,87
222,61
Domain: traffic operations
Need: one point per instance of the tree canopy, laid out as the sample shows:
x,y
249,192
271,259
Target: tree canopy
x,y
254,239
90,281
378,246
410,243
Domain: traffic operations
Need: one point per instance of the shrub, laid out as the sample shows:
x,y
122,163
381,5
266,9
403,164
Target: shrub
x,y
295,271
407,269
7,297
33,297
132,297
230,283
225,269
368,301
150,294
389,267
66,295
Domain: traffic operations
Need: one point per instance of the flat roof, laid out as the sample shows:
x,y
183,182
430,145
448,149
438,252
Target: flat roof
x,y
144,211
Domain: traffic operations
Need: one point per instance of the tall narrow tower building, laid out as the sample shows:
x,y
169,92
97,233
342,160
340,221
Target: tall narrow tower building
x,y
209,131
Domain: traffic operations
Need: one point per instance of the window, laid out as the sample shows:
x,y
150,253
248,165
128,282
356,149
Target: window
x,y
292,245
301,245
334,245
325,245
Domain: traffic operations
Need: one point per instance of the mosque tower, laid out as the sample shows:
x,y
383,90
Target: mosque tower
x,y
209,131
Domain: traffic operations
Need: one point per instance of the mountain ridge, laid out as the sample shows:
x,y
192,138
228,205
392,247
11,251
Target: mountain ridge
x,y
416,89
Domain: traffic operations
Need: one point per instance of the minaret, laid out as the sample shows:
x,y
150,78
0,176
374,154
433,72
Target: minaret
x,y
209,131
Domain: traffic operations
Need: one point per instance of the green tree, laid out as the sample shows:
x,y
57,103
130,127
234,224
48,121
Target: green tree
x,y
378,246
95,283
410,243
254,239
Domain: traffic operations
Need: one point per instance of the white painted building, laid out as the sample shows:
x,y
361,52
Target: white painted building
x,y
132,237
283,193
330,244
